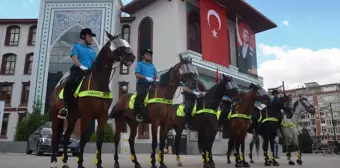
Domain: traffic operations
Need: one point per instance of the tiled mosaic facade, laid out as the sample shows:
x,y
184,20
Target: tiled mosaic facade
x,y
58,18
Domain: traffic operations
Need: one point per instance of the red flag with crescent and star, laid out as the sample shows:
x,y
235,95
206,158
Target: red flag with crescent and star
x,y
214,33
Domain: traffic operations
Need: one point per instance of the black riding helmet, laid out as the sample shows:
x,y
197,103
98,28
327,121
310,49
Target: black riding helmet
x,y
86,31
148,51
275,92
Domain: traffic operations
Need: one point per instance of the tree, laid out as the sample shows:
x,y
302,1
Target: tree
x,y
108,134
30,123
305,141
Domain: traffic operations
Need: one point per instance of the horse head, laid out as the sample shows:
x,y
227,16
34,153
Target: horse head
x,y
183,71
302,105
116,49
257,93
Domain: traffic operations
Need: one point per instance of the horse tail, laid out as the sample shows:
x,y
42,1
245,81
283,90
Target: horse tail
x,y
257,145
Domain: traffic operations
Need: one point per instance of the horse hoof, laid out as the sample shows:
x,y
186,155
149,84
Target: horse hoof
x,y
228,161
238,164
267,163
179,164
162,165
275,163
153,166
116,165
291,163
138,165
246,164
211,165
206,165
65,166
251,161
299,161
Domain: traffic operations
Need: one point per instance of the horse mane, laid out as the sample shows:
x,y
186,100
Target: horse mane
x,y
99,59
164,78
208,99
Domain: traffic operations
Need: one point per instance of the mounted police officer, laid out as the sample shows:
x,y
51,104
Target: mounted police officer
x,y
226,105
82,55
274,100
146,74
191,93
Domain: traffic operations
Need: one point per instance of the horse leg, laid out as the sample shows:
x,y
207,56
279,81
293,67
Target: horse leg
x,y
154,129
202,144
251,145
133,132
99,141
119,127
288,154
70,127
178,136
85,136
57,126
211,139
272,142
239,159
164,128
296,142
267,161
245,164
230,148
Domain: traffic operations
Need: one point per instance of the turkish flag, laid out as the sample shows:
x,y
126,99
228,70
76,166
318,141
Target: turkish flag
x,y
214,33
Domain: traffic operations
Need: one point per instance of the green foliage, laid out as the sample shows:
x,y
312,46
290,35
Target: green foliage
x,y
108,134
30,123
305,142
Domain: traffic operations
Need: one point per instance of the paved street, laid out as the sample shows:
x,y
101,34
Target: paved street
x,y
32,161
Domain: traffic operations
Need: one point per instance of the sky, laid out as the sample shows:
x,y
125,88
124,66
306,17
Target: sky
x,y
303,48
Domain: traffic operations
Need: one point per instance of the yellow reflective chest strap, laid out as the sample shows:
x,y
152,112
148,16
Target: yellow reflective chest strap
x,y
237,115
287,125
156,100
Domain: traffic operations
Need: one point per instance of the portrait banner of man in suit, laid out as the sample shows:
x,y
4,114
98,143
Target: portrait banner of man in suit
x,y
246,47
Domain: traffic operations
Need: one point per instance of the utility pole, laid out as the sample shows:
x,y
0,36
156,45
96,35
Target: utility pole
x,y
333,123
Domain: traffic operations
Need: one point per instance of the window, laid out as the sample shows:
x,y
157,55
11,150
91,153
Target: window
x,y
25,93
28,63
8,64
143,131
145,36
123,88
126,32
31,36
6,92
4,126
194,31
12,35
21,116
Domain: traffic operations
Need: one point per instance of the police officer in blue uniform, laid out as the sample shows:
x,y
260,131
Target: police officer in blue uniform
x,y
82,55
146,74
191,93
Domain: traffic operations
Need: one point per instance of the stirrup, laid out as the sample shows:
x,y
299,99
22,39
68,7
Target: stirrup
x,y
63,117
139,118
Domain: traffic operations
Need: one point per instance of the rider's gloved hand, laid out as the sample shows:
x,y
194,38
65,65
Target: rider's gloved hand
x,y
157,80
82,67
197,94
149,79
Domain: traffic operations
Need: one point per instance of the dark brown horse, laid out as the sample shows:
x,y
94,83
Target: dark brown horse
x,y
205,119
239,120
93,100
159,112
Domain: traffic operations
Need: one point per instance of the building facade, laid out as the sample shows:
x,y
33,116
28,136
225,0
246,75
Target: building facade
x,y
323,97
17,52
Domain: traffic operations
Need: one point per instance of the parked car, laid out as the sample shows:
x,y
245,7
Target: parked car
x,y
41,142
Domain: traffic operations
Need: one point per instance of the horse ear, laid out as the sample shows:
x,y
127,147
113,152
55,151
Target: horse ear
x,y
181,57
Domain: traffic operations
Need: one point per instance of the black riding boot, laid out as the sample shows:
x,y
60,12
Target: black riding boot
x,y
138,107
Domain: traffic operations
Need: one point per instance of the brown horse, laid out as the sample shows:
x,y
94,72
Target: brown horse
x,y
159,112
93,100
239,120
205,119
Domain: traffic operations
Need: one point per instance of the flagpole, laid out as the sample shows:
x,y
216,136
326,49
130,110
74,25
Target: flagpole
x,y
283,87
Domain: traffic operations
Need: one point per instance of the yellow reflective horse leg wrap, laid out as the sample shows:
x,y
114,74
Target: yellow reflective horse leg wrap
x,y
77,160
62,156
177,158
203,157
96,159
242,157
207,156
299,154
272,155
287,155
159,157
133,158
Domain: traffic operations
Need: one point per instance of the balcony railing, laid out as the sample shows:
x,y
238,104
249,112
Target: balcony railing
x,y
232,70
